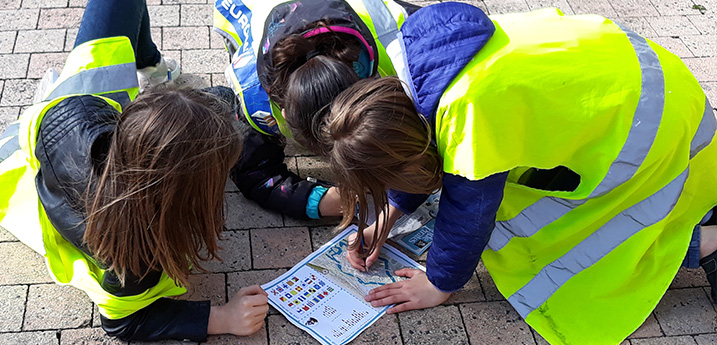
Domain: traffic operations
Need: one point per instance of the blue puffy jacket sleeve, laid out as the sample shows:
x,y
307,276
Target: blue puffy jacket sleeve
x,y
466,218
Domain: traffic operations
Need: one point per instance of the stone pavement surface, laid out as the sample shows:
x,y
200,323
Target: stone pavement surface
x,y
38,34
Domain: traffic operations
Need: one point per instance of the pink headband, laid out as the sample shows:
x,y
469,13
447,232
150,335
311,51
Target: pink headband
x,y
342,29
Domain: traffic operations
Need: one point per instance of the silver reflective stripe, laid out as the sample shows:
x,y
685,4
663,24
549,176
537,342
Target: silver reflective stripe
x,y
386,27
534,217
645,123
11,130
9,148
597,245
98,80
705,131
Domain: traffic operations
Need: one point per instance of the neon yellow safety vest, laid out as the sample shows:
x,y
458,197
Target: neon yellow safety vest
x,y
241,23
585,266
103,67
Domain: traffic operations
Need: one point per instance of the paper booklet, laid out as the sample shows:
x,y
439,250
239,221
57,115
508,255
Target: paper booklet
x,y
324,295
413,231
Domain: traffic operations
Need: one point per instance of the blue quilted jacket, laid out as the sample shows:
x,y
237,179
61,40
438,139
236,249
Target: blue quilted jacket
x,y
440,40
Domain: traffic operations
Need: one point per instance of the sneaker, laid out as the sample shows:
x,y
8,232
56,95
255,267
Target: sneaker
x,y
166,70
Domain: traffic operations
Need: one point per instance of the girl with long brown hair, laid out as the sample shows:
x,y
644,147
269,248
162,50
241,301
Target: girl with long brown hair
x,y
576,159
124,195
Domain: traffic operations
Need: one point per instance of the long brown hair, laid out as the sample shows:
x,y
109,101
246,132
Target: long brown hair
x,y
157,201
376,140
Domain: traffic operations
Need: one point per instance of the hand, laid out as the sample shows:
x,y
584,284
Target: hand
x,y
362,264
415,293
243,315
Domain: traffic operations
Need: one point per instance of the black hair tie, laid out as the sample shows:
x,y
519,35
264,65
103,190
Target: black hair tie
x,y
311,54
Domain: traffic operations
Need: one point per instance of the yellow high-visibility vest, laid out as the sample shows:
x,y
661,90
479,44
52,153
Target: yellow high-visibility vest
x,y
585,266
104,68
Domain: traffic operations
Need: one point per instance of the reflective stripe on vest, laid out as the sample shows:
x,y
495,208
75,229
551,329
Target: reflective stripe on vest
x,y
98,81
9,141
596,246
645,124
705,131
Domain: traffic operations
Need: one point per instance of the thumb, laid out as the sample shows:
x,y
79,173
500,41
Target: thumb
x,y
408,272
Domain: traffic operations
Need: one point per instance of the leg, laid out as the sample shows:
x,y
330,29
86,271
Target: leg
x,y
107,18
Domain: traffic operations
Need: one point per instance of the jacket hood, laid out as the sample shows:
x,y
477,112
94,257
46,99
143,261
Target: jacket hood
x,y
440,40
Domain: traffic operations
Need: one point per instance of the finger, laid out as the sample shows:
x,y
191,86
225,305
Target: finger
x,y
401,307
252,290
408,272
254,300
381,289
376,295
390,299
373,257
355,261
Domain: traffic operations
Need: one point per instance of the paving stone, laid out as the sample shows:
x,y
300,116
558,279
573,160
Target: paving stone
x,y
197,15
705,23
637,24
684,340
14,65
601,7
204,61
324,221
315,167
21,265
40,63
633,8
83,3
258,338
506,6
7,41
321,235
702,45
12,307
495,323
672,26
156,34
384,331
9,4
216,41
204,287
70,38
51,306
706,339
471,292
674,7
171,2
163,15
193,37
291,164
281,332
235,253
27,338
96,321
39,41
294,149
57,18
441,324
88,336
244,214
704,69
689,278
218,79
685,311
196,81
25,19
164,342
43,3
649,329
277,248
5,236
18,92
560,4
674,45
489,289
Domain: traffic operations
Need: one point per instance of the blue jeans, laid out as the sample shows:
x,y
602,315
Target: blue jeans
x,y
692,259
108,18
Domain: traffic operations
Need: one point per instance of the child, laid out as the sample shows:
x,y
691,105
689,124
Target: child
x,y
123,196
573,154
329,43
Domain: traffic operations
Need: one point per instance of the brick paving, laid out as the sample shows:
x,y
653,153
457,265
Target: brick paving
x,y
37,34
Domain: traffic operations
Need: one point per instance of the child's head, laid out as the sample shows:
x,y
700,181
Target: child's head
x,y
156,202
309,70
375,140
